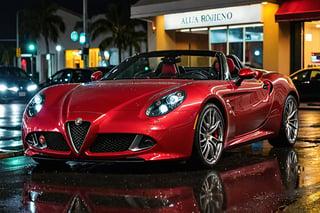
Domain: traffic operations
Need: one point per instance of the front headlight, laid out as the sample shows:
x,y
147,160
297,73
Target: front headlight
x,y
35,105
3,87
166,104
14,89
32,87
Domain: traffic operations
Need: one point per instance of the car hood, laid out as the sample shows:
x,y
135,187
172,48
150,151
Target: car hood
x,y
16,82
103,96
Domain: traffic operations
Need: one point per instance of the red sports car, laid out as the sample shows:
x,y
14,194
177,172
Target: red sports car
x,y
162,105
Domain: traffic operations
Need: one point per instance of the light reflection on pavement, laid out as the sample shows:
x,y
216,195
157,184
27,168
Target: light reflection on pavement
x,y
10,126
309,129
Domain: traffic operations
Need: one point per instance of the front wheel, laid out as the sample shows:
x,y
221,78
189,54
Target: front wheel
x,y
209,136
289,124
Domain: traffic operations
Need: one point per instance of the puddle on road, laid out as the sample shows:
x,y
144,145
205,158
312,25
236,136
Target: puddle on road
x,y
309,126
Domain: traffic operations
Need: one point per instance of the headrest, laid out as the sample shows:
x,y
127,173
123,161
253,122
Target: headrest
x,y
231,65
169,70
216,66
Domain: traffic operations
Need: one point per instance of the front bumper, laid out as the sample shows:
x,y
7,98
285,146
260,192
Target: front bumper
x,y
13,95
118,136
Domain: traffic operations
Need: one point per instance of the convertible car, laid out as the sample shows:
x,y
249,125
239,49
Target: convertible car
x,y
186,105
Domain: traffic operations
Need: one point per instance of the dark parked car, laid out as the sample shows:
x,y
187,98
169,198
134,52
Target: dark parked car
x,y
104,70
69,75
307,82
15,84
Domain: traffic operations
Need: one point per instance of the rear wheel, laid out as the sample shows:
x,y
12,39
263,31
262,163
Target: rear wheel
x,y
209,136
289,124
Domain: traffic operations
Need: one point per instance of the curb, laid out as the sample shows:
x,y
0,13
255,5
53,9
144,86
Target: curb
x,y
11,154
309,105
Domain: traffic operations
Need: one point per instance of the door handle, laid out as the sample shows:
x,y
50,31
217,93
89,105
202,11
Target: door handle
x,y
267,85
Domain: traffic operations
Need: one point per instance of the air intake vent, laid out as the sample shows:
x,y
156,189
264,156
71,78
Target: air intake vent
x,y
105,143
77,133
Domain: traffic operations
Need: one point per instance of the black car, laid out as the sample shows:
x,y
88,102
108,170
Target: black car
x,y
69,75
307,82
16,84
104,70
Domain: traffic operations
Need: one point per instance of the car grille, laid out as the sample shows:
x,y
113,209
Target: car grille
x,y
112,143
54,140
78,133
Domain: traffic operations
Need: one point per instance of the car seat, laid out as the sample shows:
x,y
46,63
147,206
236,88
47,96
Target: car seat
x,y
168,70
232,68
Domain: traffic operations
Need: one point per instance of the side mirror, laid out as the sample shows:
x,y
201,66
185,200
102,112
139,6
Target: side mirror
x,y
245,73
96,76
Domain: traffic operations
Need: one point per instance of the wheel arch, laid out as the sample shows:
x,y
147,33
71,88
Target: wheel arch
x,y
218,103
195,149
295,95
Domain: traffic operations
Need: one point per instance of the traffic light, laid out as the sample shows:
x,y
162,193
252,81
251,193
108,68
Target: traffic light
x,y
18,52
82,38
31,47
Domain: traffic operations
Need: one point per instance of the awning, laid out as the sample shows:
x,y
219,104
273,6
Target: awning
x,y
298,10
152,8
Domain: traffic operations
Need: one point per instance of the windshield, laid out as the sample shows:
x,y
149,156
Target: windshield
x,y
176,66
12,72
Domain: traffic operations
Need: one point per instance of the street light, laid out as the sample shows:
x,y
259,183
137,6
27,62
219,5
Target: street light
x,y
18,49
31,47
85,45
58,49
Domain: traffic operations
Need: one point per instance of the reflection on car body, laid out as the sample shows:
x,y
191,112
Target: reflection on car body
x,y
15,84
68,75
162,105
104,70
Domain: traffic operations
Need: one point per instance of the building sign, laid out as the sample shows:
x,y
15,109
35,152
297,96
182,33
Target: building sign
x,y
214,17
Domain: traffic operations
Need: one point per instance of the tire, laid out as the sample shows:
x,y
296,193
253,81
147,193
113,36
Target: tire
x,y
289,124
209,136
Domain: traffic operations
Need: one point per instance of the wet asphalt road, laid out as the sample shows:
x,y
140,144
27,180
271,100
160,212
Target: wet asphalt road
x,y
251,178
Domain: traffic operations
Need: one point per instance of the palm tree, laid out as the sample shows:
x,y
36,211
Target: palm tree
x,y
7,54
41,20
121,30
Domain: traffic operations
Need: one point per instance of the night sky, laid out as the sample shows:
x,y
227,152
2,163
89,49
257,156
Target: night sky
x,y
9,8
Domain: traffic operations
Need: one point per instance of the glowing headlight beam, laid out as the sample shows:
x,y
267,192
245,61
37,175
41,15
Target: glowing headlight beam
x,y
166,104
32,87
35,105
3,87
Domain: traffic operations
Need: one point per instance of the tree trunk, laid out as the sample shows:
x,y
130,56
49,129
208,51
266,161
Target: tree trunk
x,y
44,73
119,55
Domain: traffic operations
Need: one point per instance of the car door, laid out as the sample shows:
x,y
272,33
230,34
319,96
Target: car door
x,y
59,77
251,104
314,85
302,82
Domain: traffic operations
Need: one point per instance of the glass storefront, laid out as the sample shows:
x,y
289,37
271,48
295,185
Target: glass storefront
x,y
74,58
246,42
311,44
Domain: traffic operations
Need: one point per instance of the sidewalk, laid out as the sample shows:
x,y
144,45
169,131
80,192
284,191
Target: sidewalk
x,y
9,154
10,148
309,105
